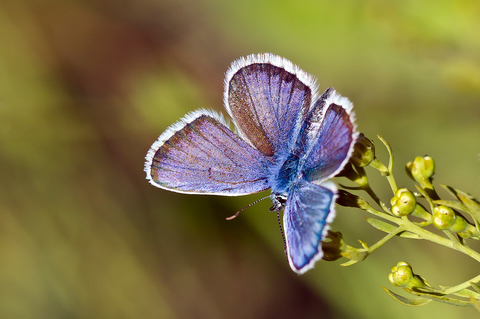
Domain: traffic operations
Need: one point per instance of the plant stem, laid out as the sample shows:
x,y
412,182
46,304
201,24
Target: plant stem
x,y
464,285
385,239
406,225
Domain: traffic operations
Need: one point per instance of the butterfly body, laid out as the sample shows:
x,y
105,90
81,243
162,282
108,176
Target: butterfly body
x,y
286,174
287,139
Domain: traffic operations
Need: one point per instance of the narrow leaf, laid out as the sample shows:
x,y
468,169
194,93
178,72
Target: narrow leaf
x,y
349,263
475,286
440,298
406,301
388,228
469,201
466,293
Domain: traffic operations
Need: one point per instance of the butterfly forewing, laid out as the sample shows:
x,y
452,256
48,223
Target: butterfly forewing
x,y
204,156
327,137
265,100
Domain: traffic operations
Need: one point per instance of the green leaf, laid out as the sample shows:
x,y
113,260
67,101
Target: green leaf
x,y
440,298
390,153
475,286
349,263
406,301
464,293
388,228
449,189
469,201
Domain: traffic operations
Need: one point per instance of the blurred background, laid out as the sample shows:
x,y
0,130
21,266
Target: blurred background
x,y
87,86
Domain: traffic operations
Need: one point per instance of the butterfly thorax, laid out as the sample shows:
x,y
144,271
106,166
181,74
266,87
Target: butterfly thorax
x,y
284,174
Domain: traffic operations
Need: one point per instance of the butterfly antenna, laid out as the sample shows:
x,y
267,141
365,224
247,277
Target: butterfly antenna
x,y
283,235
251,204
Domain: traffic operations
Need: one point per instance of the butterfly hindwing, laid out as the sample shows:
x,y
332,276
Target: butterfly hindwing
x,y
202,155
309,209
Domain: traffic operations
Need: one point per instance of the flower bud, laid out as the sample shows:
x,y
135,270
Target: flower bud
x,y
332,246
355,174
347,199
460,224
402,276
403,203
445,218
421,168
363,152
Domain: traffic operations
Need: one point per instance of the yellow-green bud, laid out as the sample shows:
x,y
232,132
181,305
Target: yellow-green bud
x,y
445,218
403,203
402,276
460,224
363,152
421,168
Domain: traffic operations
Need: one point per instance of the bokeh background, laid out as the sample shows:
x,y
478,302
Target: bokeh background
x,y
86,87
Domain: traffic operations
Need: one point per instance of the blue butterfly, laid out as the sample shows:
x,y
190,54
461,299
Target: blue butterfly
x,y
287,138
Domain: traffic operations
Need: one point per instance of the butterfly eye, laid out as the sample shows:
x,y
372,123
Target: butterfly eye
x,y
278,202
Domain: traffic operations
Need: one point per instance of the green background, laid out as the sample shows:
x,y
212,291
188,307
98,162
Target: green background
x,y
87,86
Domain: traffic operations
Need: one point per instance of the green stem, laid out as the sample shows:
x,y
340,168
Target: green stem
x,y
464,285
389,176
385,239
374,196
406,225
427,235
366,207
385,172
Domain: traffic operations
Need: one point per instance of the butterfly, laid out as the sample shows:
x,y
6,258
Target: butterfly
x,y
287,138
